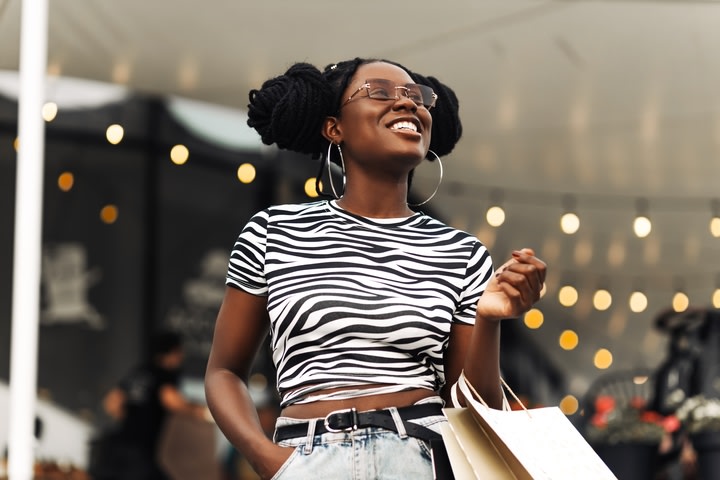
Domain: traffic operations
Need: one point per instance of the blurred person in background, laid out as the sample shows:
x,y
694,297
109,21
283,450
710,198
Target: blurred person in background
x,y
139,405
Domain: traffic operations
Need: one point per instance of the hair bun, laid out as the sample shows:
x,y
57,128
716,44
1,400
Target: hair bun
x,y
447,127
288,110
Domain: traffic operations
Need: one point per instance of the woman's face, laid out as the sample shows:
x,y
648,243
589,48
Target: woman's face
x,y
392,134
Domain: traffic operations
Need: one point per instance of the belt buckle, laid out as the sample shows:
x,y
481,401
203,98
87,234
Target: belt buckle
x,y
349,424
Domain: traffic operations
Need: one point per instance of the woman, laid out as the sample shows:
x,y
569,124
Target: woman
x,y
370,305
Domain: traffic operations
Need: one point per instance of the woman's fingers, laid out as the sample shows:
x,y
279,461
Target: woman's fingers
x,y
525,273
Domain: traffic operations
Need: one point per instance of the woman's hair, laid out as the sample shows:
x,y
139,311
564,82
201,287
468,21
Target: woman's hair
x,y
289,110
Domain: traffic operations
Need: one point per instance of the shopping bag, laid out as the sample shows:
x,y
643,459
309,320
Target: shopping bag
x,y
528,444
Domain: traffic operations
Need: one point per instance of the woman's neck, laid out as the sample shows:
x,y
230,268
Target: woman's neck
x,y
375,206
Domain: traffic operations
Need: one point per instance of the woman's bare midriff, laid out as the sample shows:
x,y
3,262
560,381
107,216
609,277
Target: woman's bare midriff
x,y
370,402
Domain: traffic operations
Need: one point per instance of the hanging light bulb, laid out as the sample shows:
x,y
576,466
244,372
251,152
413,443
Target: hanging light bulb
x,y
115,133
495,215
642,224
179,154
569,222
567,296
638,301
680,301
602,299
49,111
311,187
716,293
715,220
246,173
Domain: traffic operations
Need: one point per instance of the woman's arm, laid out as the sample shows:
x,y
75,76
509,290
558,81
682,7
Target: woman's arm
x,y
240,330
114,403
512,292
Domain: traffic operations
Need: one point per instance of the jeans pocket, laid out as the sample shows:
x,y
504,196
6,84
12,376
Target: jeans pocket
x,y
283,468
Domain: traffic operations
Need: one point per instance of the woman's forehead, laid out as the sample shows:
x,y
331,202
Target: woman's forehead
x,y
387,71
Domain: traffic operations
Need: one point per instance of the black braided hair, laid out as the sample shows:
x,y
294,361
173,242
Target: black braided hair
x,y
289,110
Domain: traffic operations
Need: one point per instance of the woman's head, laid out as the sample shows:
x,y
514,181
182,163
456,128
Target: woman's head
x,y
290,110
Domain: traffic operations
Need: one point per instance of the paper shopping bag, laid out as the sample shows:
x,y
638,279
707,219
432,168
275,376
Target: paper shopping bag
x,y
532,444
471,453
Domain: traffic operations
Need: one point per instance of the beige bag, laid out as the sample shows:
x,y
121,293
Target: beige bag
x,y
539,443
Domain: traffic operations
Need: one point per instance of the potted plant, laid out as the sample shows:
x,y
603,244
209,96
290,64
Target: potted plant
x,y
700,417
627,435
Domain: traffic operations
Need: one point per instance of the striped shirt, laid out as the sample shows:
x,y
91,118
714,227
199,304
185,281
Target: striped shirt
x,y
357,301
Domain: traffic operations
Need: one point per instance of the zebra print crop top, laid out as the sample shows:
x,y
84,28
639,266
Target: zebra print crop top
x,y
357,301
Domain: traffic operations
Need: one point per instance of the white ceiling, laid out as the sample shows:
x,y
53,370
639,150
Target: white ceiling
x,y
601,103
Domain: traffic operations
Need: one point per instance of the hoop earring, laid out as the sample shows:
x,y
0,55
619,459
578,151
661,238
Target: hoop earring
x,y
436,186
342,169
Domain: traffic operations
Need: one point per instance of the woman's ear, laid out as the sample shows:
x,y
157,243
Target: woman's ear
x,y
331,130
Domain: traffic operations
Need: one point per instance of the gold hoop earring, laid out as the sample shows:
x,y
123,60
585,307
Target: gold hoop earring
x,y
436,186
342,170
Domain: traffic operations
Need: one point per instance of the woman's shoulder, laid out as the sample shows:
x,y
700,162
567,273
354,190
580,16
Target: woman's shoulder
x,y
289,211
431,222
294,209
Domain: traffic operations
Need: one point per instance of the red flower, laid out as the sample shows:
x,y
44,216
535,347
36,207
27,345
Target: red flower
x,y
604,404
671,423
638,403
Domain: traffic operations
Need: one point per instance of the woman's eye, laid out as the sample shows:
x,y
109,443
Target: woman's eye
x,y
379,92
415,97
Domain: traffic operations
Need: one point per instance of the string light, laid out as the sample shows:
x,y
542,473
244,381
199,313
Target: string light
x,y
642,224
569,405
568,340
638,301
49,111
115,134
310,188
567,296
569,222
534,318
715,220
495,215
65,181
179,154
109,214
680,301
246,173
602,299
603,359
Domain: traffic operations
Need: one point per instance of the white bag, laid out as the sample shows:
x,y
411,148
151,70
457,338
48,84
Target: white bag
x,y
528,444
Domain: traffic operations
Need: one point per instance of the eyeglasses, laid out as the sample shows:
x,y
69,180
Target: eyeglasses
x,y
381,89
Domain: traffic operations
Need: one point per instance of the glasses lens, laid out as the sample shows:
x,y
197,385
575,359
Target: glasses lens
x,y
420,94
381,89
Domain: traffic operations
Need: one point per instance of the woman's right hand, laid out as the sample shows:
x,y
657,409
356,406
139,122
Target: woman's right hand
x,y
273,459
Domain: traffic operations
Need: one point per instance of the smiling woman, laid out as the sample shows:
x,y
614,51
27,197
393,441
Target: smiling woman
x,y
373,309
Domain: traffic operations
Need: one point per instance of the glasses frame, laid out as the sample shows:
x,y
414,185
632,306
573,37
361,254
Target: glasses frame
x,y
406,88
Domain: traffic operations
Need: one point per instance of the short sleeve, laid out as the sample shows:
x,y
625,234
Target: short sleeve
x,y
246,268
479,272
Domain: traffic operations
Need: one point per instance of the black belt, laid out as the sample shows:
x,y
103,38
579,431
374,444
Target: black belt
x,y
350,419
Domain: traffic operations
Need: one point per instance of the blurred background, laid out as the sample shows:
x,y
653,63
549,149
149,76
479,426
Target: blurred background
x,y
591,134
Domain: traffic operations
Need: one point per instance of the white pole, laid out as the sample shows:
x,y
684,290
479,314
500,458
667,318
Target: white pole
x,y
28,239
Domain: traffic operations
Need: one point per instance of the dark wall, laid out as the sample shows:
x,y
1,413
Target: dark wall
x,y
161,264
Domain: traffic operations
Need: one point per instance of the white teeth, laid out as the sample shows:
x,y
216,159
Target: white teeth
x,y
404,125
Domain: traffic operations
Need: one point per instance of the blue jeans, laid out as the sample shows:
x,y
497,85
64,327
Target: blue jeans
x,y
364,454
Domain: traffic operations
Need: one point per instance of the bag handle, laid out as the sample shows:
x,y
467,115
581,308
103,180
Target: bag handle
x,y
466,388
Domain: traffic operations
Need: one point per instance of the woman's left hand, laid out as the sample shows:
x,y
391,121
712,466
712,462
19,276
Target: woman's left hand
x,y
515,287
